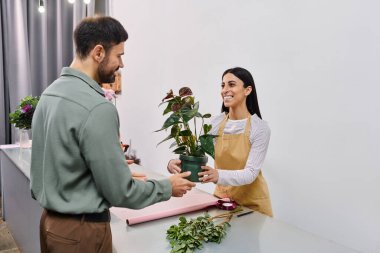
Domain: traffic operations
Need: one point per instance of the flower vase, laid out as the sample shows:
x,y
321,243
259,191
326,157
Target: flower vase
x,y
25,142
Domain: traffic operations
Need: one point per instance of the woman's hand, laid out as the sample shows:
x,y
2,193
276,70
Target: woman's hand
x,y
208,175
174,166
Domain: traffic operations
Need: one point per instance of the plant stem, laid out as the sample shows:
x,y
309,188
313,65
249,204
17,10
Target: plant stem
x,y
201,127
226,214
228,219
195,129
189,139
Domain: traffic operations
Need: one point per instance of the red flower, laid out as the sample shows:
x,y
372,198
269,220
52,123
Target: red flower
x,y
176,107
185,91
168,95
26,108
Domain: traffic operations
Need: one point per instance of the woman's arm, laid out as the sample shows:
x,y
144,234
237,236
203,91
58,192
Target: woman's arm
x,y
260,141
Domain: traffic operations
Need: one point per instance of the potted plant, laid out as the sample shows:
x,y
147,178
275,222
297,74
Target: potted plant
x,y
22,118
191,144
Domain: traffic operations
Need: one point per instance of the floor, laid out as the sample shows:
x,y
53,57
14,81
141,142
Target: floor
x,y
7,244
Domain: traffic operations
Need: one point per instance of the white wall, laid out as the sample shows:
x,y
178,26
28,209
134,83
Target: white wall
x,y
316,67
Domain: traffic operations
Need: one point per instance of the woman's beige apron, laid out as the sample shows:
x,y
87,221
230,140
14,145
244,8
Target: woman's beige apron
x,y
231,153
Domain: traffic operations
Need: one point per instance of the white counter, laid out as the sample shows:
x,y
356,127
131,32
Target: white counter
x,y
251,233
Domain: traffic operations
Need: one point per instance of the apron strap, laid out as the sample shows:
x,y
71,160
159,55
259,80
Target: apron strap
x,y
247,129
221,127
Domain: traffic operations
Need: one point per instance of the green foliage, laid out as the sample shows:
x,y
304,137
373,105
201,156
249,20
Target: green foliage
x,y
23,115
189,235
183,109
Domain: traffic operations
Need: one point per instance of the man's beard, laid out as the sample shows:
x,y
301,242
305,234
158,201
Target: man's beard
x,y
104,75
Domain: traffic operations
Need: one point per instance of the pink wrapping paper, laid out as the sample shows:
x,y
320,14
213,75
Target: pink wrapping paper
x,y
192,201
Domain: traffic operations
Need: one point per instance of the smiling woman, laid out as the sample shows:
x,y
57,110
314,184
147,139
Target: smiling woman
x,y
241,145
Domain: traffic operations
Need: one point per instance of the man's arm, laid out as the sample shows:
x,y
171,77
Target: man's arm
x,y
100,147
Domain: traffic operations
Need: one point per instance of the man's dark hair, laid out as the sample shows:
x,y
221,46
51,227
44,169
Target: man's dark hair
x,y
102,30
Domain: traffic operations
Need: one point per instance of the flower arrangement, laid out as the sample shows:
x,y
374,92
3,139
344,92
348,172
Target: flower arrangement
x,y
183,109
23,115
110,95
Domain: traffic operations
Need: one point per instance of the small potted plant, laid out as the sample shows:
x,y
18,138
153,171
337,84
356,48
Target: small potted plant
x,y
22,118
192,146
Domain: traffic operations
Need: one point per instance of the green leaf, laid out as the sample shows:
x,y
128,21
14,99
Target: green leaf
x,y
173,144
185,133
179,150
198,152
167,138
175,130
207,144
188,100
188,114
169,106
207,115
206,128
173,119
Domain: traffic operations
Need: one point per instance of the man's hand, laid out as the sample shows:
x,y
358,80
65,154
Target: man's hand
x,y
180,185
139,176
174,166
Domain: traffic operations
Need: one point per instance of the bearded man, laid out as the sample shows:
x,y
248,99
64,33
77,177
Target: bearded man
x,y
78,170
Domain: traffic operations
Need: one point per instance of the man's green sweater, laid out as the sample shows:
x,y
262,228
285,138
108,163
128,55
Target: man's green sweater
x,y
77,162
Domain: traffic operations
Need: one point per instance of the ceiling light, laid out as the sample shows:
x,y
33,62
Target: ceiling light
x,y
41,6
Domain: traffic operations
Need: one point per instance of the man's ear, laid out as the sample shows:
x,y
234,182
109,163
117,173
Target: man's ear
x,y
98,53
248,90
